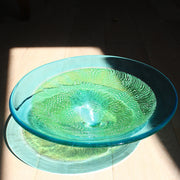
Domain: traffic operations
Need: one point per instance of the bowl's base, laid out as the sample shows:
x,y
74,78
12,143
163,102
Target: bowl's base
x,y
24,148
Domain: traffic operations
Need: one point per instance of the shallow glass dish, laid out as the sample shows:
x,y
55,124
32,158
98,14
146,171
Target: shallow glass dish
x,y
93,100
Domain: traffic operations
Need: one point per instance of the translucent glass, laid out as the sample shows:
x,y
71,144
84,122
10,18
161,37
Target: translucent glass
x,y
58,158
93,100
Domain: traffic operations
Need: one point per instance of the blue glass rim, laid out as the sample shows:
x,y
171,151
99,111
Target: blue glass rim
x,y
94,144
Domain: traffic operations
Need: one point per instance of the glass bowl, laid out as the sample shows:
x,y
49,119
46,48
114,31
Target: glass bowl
x,y
93,101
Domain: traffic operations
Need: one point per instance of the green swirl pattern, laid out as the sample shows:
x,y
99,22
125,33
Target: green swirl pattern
x,y
91,104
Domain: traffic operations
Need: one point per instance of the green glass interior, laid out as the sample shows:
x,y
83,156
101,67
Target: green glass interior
x,y
93,101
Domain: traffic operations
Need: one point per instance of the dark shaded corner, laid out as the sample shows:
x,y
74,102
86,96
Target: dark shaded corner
x,y
169,139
